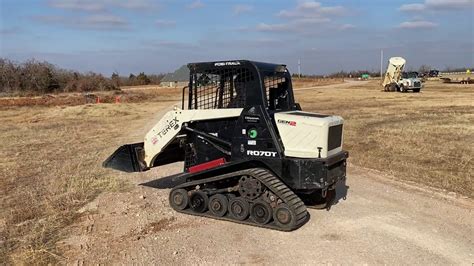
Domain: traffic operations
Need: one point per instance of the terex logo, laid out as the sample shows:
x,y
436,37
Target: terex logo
x,y
172,124
262,153
291,123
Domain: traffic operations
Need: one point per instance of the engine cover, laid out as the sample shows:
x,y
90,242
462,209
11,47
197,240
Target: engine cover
x,y
309,135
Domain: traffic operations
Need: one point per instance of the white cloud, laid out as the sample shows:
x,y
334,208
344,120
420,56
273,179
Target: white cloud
x,y
134,4
449,4
311,9
420,24
347,27
439,5
10,31
196,5
309,21
272,27
92,22
332,10
412,7
308,5
168,44
306,18
94,14
99,5
107,19
295,25
104,20
239,9
165,23
77,5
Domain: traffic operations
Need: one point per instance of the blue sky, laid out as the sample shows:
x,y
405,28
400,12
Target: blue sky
x,y
159,36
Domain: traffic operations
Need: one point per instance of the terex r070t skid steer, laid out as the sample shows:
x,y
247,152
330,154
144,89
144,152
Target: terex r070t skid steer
x,y
250,154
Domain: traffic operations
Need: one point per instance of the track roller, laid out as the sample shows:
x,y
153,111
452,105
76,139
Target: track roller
x,y
261,212
252,196
239,208
198,201
179,199
284,217
218,205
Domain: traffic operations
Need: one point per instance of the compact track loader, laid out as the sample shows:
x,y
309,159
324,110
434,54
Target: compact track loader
x,y
250,154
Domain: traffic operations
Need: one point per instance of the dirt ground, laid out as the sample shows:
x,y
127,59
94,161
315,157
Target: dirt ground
x,y
417,137
80,213
380,222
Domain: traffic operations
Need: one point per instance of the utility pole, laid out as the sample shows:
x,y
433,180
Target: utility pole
x,y
299,68
381,65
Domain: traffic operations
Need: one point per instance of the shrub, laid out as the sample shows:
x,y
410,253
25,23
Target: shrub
x,y
34,77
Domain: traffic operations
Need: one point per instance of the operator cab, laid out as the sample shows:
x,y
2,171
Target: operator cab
x,y
240,84
410,75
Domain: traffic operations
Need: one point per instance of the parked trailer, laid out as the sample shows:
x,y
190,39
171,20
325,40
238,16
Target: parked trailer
x,y
457,77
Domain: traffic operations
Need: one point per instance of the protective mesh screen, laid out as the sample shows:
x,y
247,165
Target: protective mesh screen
x,y
216,89
272,82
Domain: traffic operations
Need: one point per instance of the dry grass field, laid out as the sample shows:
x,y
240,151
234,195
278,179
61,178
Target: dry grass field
x,y
314,82
51,165
129,94
424,137
51,155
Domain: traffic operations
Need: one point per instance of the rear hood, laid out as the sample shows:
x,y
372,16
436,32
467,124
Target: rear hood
x,y
310,135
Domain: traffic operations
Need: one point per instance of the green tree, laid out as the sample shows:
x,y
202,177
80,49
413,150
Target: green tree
x,y
142,79
115,79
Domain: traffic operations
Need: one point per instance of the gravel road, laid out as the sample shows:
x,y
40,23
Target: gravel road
x,y
381,222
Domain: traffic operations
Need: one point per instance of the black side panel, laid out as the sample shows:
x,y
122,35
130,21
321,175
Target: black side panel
x,y
264,147
172,153
178,179
309,174
335,137
200,149
127,158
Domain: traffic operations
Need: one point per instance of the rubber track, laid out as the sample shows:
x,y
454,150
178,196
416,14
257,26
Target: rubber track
x,y
272,183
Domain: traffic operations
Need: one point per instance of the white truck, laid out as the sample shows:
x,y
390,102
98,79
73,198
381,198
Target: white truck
x,y
396,80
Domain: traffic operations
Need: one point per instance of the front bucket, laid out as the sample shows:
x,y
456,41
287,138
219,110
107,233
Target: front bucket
x,y
127,158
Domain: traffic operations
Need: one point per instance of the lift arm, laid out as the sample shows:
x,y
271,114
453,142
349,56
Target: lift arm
x,y
139,157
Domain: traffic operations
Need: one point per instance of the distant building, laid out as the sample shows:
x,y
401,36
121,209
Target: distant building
x,y
179,78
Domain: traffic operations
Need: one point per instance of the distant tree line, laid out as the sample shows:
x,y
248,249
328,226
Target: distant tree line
x,y
341,74
33,77
136,80
373,73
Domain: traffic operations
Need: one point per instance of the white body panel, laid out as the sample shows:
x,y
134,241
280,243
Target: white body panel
x,y
302,133
171,123
409,83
